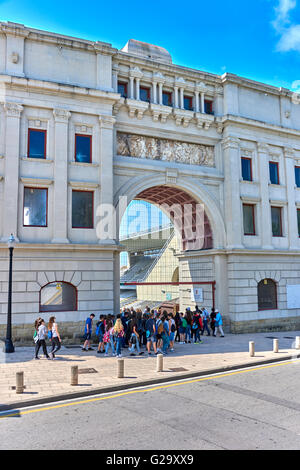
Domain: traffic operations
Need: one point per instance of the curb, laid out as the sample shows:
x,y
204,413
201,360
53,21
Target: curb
x,y
128,386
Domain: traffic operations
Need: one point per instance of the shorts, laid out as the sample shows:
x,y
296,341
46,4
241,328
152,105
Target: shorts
x,y
100,337
172,336
87,336
182,330
151,339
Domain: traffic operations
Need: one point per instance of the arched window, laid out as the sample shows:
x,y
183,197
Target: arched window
x,y
58,297
267,295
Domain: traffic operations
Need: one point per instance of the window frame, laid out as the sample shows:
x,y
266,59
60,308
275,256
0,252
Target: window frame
x,y
170,98
280,220
298,221
277,166
44,131
251,174
59,310
210,103
42,189
297,167
126,88
90,137
190,99
253,218
93,218
276,296
148,90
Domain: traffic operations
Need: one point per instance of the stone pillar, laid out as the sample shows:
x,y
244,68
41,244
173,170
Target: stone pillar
x,y
106,168
290,194
181,104
160,97
175,97
11,181
131,88
116,286
197,104
60,193
264,177
137,88
154,92
233,210
202,103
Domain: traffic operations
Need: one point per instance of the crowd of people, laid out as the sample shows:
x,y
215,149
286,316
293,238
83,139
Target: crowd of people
x,y
150,331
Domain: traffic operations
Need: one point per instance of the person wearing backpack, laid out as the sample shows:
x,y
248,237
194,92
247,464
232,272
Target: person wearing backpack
x,y
134,338
205,315
182,328
119,334
172,329
165,332
100,330
150,333
189,320
109,338
159,330
196,328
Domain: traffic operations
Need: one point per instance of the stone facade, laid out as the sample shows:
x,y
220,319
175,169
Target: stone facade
x,y
65,86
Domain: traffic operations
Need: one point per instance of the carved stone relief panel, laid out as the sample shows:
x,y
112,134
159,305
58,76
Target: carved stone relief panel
x,y
138,146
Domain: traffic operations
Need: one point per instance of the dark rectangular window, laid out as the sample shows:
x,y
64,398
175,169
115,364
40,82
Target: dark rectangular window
x,y
83,148
145,94
274,172
246,169
297,176
208,107
276,221
82,209
298,219
249,219
167,98
35,207
122,89
188,103
37,143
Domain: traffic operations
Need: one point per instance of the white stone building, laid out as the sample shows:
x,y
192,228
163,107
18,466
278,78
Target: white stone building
x,y
83,124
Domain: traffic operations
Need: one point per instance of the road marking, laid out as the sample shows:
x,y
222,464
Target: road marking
x,y
7,414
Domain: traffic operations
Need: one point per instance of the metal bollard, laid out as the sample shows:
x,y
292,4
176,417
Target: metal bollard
x,y
120,368
251,348
275,345
74,375
159,363
297,342
19,382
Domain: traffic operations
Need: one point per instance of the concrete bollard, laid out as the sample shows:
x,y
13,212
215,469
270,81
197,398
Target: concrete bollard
x,y
120,368
74,375
251,348
275,345
19,382
297,342
159,363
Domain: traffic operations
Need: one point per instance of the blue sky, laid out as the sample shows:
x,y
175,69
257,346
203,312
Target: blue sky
x,y
257,39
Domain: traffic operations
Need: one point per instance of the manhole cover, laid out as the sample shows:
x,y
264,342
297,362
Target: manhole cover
x,y
87,371
177,369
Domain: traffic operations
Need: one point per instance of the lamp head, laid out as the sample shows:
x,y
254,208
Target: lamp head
x,y
11,241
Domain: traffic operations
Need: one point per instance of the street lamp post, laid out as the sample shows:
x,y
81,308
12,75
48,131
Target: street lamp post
x,y
9,347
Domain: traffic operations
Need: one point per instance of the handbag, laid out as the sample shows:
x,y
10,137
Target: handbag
x,y
35,337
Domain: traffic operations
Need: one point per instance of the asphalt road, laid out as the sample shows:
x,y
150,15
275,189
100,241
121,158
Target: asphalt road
x,y
250,409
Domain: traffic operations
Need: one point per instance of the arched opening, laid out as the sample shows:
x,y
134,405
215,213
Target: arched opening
x,y
58,297
267,294
175,277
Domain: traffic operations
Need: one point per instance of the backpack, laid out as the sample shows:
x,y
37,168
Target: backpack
x,y
173,328
160,328
50,334
183,323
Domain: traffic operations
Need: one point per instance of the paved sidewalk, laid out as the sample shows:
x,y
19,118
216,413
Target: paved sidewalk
x,y
48,380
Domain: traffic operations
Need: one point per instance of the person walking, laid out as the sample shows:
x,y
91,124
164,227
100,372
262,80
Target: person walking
x,y
213,321
134,338
189,320
150,333
196,327
100,330
41,341
205,319
53,334
218,324
119,334
172,329
88,333
182,328
109,338
165,332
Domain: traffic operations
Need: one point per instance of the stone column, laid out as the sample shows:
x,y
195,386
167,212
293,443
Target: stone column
x,y
160,88
154,92
131,88
11,180
106,124
197,104
202,103
181,98
290,193
264,177
60,192
137,88
175,97
233,210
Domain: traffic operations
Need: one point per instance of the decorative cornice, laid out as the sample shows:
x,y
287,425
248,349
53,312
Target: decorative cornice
x,y
61,115
37,182
106,121
263,147
289,152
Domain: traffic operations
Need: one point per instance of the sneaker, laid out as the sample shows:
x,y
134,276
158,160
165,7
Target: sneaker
x,y
91,349
106,355
142,352
36,358
172,349
83,349
196,342
131,354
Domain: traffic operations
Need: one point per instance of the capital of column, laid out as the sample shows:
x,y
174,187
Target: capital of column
x,y
289,152
61,115
13,109
230,142
262,147
106,122
136,73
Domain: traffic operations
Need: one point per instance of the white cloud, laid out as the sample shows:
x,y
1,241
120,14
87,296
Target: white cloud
x,y
290,39
282,13
289,33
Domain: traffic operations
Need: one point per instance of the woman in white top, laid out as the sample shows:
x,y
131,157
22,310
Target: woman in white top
x,y
54,336
41,334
